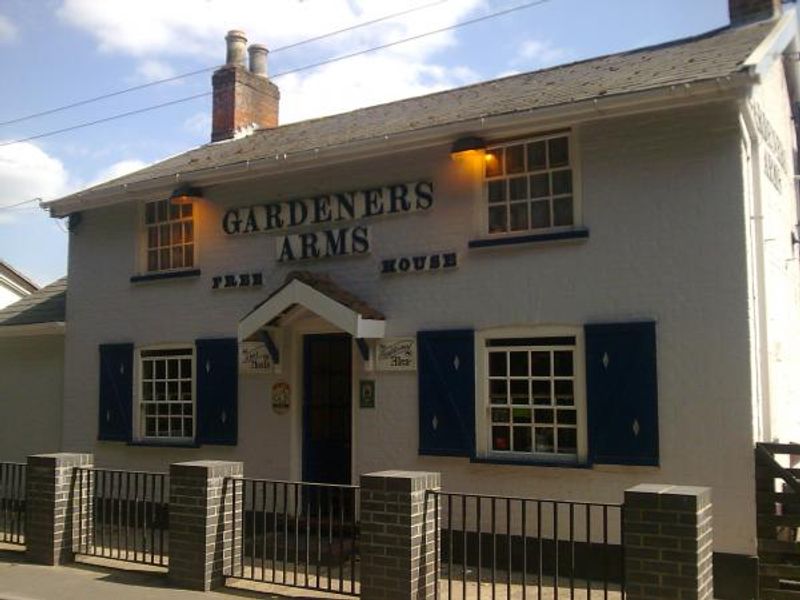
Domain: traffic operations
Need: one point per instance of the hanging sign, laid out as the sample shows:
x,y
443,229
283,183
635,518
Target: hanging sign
x,y
281,397
254,358
396,354
366,393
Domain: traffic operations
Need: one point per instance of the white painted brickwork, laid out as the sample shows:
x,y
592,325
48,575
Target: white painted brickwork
x,y
662,198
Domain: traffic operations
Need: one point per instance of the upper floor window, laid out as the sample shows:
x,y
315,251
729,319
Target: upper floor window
x,y
529,184
170,234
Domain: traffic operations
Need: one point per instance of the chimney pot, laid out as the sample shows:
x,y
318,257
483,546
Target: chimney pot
x,y
236,43
749,11
258,59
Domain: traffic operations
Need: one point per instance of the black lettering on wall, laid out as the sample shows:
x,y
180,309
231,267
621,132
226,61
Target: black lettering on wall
x,y
373,202
335,242
345,206
308,246
251,225
231,222
398,198
274,220
360,240
286,251
322,209
424,193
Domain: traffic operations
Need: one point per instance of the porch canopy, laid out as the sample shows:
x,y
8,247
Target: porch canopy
x,y
318,294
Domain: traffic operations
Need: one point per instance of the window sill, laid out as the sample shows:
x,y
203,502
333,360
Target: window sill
x,y
491,460
577,233
165,275
157,444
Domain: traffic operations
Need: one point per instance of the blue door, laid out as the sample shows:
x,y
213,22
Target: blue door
x,y
327,408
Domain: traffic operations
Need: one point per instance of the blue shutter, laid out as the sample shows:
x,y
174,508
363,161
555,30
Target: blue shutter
x,y
446,370
622,393
217,391
116,391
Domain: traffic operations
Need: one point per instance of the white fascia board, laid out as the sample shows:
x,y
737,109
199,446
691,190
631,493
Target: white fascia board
x,y
299,293
774,45
52,328
672,96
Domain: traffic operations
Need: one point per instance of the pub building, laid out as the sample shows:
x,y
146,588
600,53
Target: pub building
x,y
557,284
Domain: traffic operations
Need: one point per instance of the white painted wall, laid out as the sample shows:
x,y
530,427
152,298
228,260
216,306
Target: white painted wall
x,y
31,389
662,197
780,267
8,296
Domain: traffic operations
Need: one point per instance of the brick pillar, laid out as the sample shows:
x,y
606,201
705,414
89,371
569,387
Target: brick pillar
x,y
202,518
51,506
668,542
398,532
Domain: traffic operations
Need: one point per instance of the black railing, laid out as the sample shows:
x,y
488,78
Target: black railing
x,y
12,503
510,547
296,534
123,515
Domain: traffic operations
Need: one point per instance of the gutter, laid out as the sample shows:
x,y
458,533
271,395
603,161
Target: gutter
x,y
33,329
731,87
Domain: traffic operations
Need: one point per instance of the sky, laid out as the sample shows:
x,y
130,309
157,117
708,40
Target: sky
x,y
58,52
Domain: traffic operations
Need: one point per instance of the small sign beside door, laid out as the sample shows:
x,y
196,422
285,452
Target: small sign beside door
x,y
396,354
281,397
366,393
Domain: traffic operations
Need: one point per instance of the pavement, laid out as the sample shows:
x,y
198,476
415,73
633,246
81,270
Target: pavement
x,y
92,579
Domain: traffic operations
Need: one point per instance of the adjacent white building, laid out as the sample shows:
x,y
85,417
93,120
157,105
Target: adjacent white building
x,y
13,285
557,284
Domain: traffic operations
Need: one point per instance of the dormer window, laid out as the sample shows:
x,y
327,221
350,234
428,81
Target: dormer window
x,y
529,185
169,228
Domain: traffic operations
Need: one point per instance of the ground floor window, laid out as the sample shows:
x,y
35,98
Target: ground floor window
x,y
166,399
531,386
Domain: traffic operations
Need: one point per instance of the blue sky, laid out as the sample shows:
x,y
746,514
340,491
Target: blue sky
x,y
55,52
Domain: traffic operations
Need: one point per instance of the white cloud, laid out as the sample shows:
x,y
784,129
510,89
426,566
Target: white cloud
x,y
539,53
152,70
8,31
27,171
118,169
154,31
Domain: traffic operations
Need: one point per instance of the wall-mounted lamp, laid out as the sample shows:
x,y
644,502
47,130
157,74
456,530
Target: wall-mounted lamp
x,y
467,144
185,194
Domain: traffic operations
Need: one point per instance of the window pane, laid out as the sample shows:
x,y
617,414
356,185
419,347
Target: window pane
x,y
497,364
522,439
518,188
187,428
540,364
544,439
186,368
161,369
519,216
567,417
188,232
172,391
147,369
186,390
497,219
522,415
498,391
497,191
567,441
164,235
515,159
152,237
163,258
177,257
176,426
540,185
543,415
500,435
174,211
147,391
150,426
562,182
562,363
161,210
564,393
494,162
500,415
188,255
149,213
172,369
152,260
186,210
537,156
519,363
177,233
558,151
562,211
519,391
540,214
163,426
540,391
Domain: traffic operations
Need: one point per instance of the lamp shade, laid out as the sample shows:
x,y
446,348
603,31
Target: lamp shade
x,y
468,143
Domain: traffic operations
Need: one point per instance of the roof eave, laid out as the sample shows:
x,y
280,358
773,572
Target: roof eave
x,y
33,329
773,45
670,96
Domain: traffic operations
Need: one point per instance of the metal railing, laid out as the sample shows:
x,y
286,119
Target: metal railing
x,y
511,547
296,534
123,515
12,502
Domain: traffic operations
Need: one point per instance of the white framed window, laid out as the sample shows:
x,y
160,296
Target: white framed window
x,y
530,185
167,394
533,404
169,235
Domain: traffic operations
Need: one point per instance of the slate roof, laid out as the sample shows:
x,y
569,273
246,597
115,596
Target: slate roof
x,y
46,305
710,56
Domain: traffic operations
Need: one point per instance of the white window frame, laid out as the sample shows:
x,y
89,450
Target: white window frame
x,y
142,259
483,421
572,135
138,422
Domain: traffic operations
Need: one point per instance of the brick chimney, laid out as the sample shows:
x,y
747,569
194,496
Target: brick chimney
x,y
748,11
242,97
